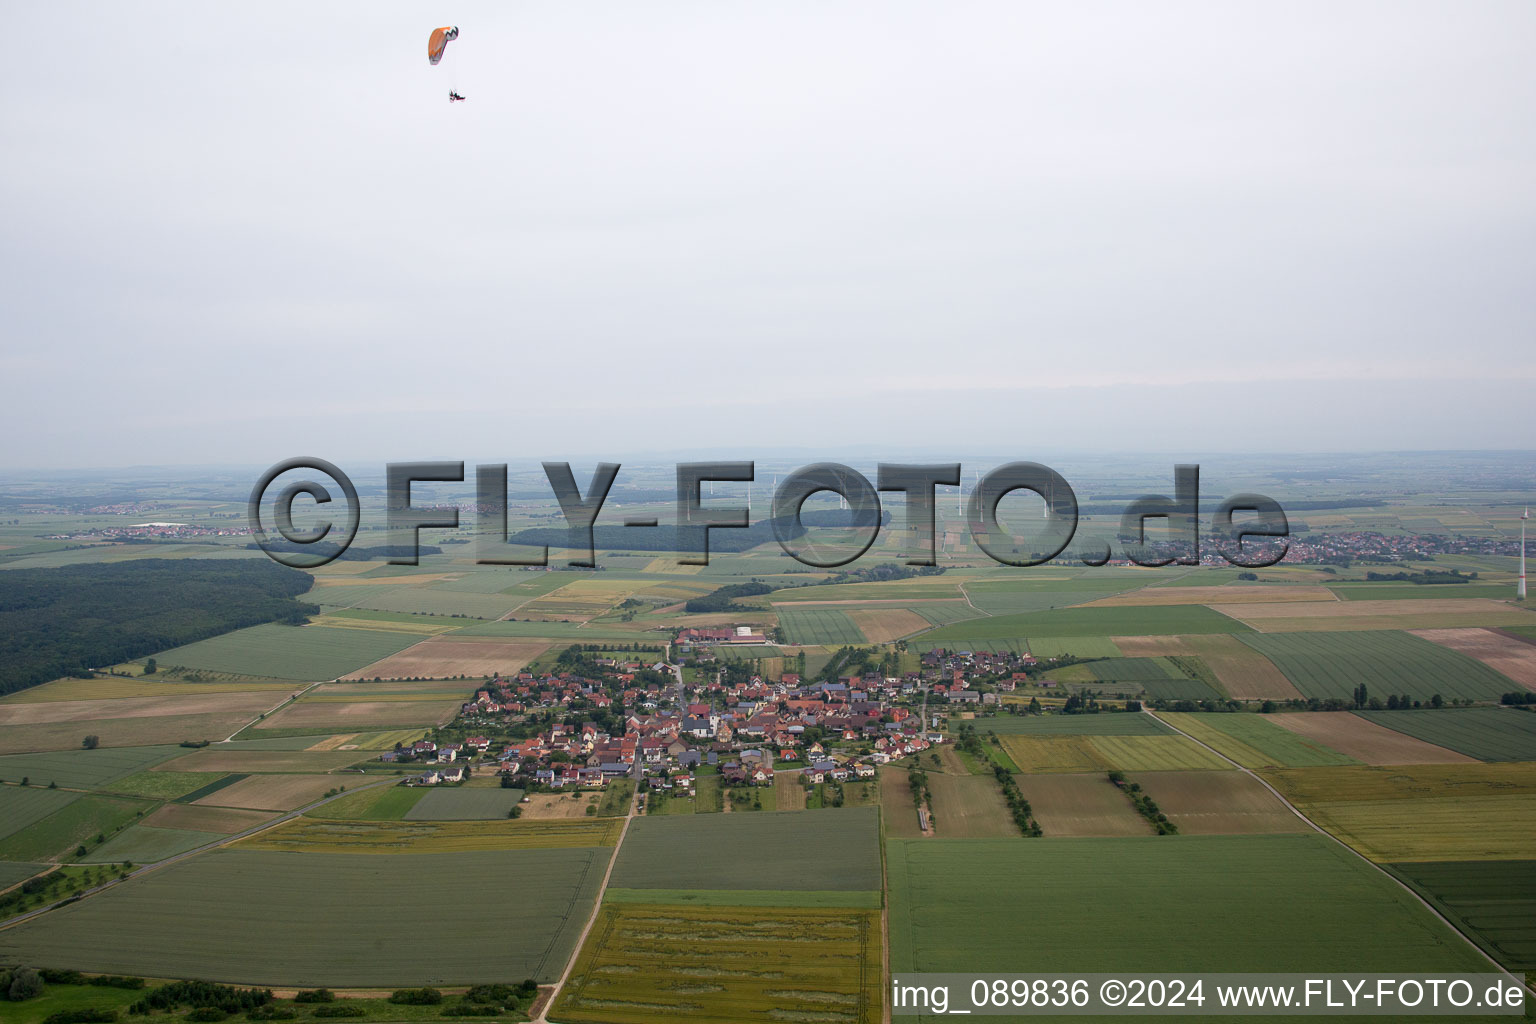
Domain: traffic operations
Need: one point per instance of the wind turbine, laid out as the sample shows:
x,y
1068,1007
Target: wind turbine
x,y
1520,591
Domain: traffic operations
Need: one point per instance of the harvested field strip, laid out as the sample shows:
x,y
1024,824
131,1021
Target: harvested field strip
x,y
884,625
747,897
1365,740
1255,742
321,835
250,917
1240,669
1494,900
1155,753
223,820
273,792
1081,805
1218,803
1500,652
780,964
969,805
453,656
1333,664
1488,734
835,848
392,712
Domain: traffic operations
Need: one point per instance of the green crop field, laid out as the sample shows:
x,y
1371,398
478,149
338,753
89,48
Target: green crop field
x,y
835,848
83,769
289,652
1156,753
942,613
77,822
20,806
465,804
1044,647
1488,734
1118,723
1386,661
1160,677
342,836
644,962
1161,903
432,601
12,872
389,803
819,626
1069,622
261,918
1253,742
1494,900
142,844
162,785
747,897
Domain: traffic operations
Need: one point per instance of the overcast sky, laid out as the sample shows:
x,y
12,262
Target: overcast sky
x,y
244,232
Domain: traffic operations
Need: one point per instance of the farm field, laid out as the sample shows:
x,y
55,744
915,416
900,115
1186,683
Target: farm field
x,y
1241,670
1375,615
273,792
1420,812
464,804
1073,646
1218,803
818,626
1495,900
439,602
114,689
190,701
1117,723
1487,734
915,589
322,835
384,803
1089,622
1153,646
1308,905
144,844
288,652
12,873
1255,742
1499,651
77,822
1087,753
20,806
746,897
969,805
1387,662
225,759
162,785
441,657
252,917
797,964
120,732
1231,594
834,848
789,794
1081,805
84,769
357,715
546,806
898,814
1363,739
883,625
1418,592
1160,677
190,817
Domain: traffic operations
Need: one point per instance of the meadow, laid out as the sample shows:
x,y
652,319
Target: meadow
x,y
1488,734
643,962
835,848
263,918
1386,661
1308,905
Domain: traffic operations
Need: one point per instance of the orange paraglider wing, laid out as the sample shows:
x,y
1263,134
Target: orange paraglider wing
x,y
438,41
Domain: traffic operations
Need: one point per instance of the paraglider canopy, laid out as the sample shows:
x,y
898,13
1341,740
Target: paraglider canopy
x,y
438,41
